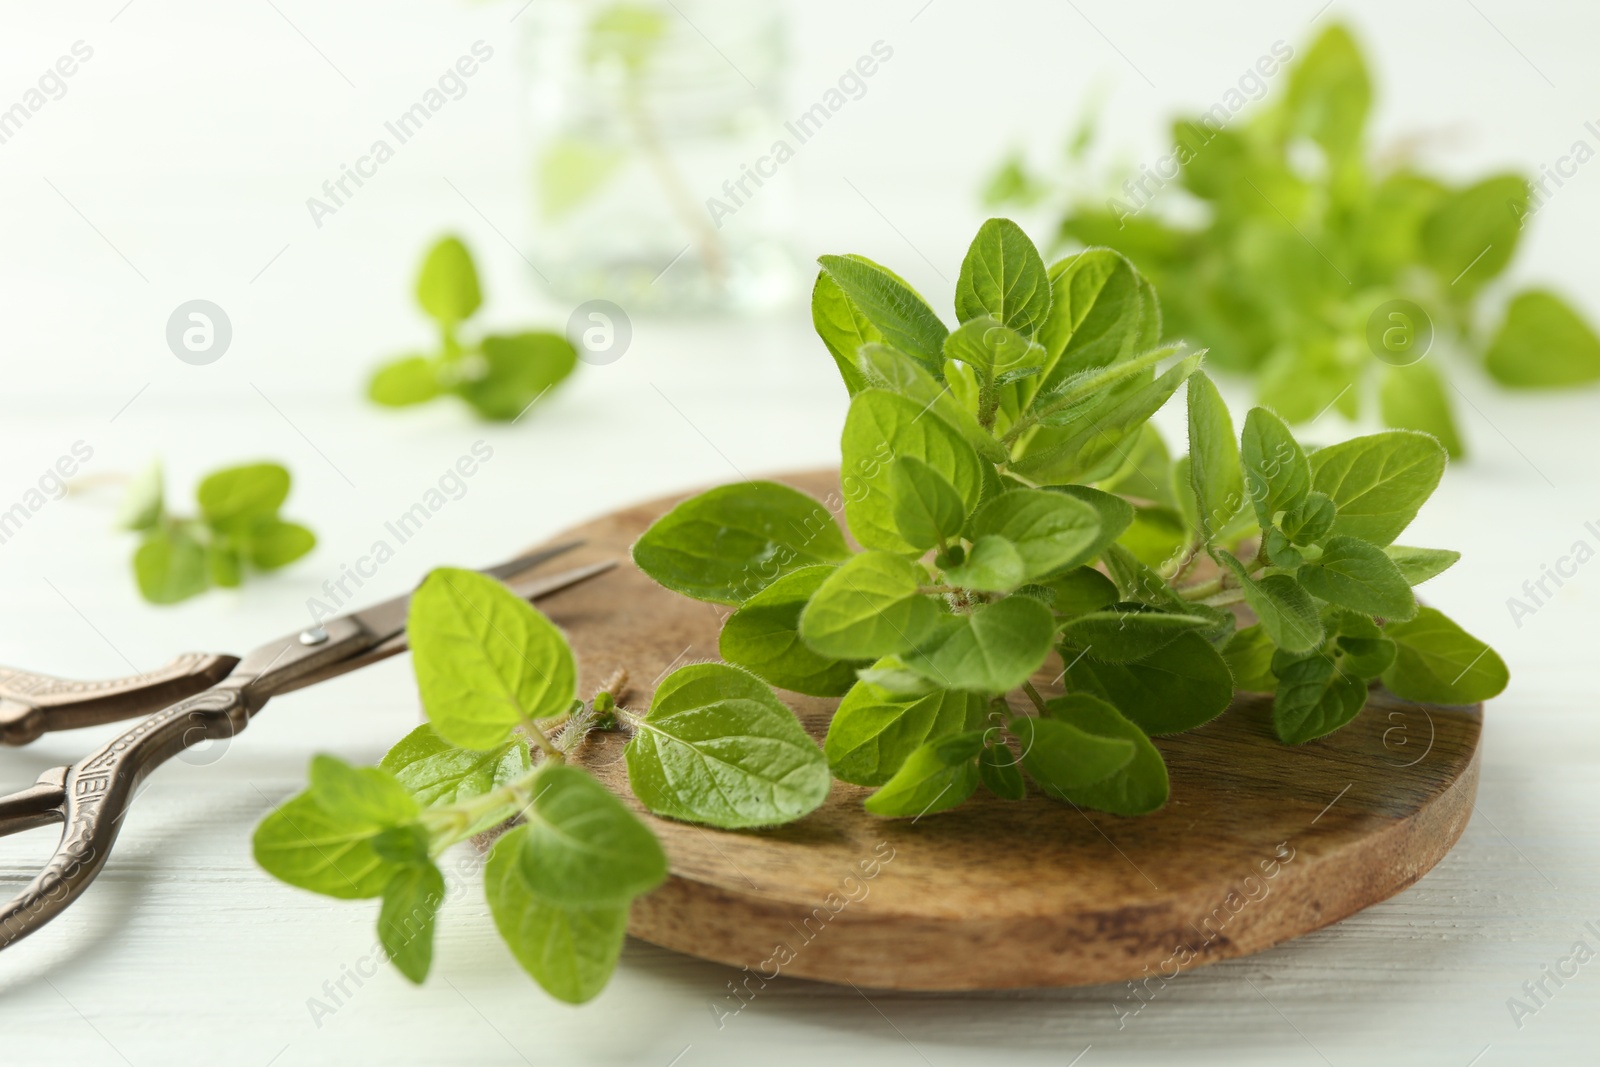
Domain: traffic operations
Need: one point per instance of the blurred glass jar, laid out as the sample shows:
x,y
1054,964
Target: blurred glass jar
x,y
643,131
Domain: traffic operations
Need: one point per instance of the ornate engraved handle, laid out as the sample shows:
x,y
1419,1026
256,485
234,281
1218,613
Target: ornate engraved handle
x,y
90,798
34,704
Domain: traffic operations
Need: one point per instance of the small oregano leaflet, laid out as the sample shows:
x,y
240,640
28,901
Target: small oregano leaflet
x,y
237,530
499,375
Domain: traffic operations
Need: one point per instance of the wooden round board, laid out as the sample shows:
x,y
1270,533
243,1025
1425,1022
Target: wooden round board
x,y
1259,843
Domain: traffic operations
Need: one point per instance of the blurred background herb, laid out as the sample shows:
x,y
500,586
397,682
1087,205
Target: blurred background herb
x,y
1331,275
237,530
499,375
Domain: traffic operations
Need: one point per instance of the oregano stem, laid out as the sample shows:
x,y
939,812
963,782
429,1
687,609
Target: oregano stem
x,y
1033,695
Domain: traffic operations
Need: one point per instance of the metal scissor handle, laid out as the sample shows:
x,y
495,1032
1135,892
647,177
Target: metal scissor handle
x,y
90,797
34,704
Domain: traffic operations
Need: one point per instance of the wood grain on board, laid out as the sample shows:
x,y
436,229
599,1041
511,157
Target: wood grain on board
x,y
1259,843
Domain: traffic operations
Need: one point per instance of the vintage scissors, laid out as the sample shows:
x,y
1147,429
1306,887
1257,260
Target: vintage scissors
x,y
194,698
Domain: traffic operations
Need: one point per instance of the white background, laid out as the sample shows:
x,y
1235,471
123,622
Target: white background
x,y
177,166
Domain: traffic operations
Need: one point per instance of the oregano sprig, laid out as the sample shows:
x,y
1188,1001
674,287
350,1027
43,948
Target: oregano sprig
x,y
1014,506
237,530
498,375
499,684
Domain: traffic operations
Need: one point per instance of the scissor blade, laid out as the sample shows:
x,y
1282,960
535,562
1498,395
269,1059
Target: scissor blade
x,y
513,567
389,618
529,588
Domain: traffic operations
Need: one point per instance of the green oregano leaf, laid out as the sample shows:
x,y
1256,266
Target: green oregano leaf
x,y
570,951
763,637
936,776
892,307
1003,276
1139,786
1359,576
927,509
582,847
730,543
1214,470
1001,771
1440,663
1184,684
447,285
485,659
717,747
869,607
1062,757
1277,475
874,731
995,648
411,901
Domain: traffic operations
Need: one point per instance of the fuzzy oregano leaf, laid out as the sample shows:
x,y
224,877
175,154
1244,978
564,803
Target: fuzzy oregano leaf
x,y
570,951
1138,787
869,607
1003,276
995,648
992,564
936,776
1062,757
1277,475
892,307
1214,469
438,773
582,847
729,543
1314,697
763,636
485,659
325,839
1417,565
1129,631
1440,663
1360,576
1050,531
844,329
874,731
717,747
880,429
1378,481
927,508
1286,610
1184,684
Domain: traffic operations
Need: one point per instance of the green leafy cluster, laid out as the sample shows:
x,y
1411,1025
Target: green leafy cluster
x,y
499,375
1014,506
238,529
1303,237
715,747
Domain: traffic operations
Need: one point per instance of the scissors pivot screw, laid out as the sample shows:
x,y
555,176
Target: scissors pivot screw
x,y
314,636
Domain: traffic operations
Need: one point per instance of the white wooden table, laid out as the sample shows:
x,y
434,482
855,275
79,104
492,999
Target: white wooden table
x,y
184,952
